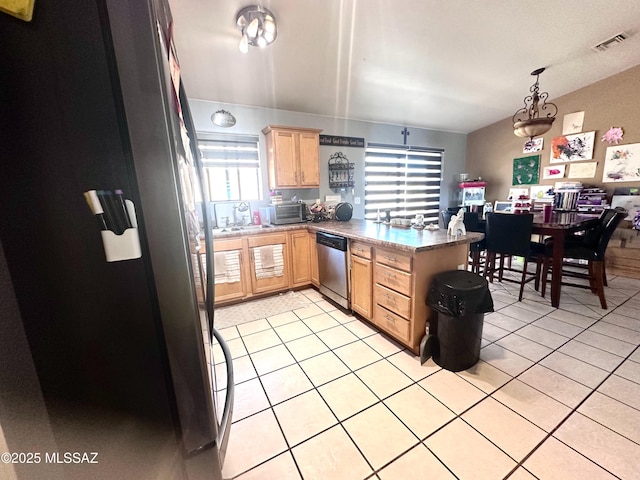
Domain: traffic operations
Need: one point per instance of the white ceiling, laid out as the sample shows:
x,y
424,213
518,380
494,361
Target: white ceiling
x,y
453,65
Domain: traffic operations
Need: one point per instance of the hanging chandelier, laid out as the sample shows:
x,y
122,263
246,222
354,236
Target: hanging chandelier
x,y
527,121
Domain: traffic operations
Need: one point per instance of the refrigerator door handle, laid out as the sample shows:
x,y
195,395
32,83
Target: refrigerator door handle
x,y
227,413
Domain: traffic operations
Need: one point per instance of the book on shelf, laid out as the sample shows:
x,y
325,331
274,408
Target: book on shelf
x,y
592,199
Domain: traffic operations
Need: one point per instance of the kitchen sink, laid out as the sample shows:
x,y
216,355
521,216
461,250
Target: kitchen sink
x,y
240,228
253,227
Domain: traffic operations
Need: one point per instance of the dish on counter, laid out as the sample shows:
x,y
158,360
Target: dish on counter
x,y
432,226
418,227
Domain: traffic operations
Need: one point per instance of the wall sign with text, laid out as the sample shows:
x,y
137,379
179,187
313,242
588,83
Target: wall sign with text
x,y
338,141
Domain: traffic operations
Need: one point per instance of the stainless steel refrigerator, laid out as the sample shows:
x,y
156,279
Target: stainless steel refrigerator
x,y
126,360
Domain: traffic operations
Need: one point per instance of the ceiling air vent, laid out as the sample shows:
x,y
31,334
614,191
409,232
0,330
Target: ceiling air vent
x,y
609,42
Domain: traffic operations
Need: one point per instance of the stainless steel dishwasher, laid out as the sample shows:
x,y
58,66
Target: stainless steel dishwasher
x,y
333,267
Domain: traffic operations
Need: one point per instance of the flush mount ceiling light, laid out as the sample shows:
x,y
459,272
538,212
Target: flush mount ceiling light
x,y
527,121
258,26
222,118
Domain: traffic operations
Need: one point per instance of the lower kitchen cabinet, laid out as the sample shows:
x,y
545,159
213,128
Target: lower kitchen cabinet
x,y
300,248
232,284
269,262
400,287
361,279
315,277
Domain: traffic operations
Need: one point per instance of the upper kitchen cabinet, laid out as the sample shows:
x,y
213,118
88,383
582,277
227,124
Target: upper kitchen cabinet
x,y
292,156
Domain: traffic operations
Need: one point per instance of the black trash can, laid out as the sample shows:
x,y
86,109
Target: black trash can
x,y
459,299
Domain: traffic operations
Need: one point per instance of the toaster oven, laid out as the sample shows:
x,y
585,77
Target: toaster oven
x,y
284,213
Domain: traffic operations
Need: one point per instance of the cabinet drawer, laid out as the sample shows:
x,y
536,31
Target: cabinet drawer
x,y
262,240
226,245
392,323
394,279
399,260
361,250
394,301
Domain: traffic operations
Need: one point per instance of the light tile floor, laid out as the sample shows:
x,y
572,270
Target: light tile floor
x,y
556,395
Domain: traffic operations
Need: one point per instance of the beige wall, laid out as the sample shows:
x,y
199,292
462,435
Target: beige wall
x,y
612,102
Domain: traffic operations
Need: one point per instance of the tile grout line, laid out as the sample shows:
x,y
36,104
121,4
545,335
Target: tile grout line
x,y
575,410
416,382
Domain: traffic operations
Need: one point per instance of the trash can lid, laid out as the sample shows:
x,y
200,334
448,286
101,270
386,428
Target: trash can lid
x,y
457,292
459,281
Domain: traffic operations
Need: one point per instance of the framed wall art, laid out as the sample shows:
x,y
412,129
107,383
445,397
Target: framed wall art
x,y
534,145
582,170
526,170
622,163
572,123
572,148
553,171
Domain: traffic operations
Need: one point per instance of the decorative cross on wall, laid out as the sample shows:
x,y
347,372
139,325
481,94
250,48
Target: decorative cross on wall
x,y
404,133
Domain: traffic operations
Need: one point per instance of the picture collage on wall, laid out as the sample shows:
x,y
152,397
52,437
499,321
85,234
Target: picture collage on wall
x,y
572,157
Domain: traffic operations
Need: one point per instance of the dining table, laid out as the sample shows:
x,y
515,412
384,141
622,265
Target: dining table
x,y
557,227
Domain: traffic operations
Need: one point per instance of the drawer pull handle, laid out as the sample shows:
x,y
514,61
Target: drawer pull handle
x,y
391,319
391,259
390,275
390,297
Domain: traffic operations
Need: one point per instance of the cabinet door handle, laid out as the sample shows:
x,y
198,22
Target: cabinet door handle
x,y
303,176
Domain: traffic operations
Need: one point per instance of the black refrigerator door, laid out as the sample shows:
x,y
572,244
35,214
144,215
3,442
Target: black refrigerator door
x,y
165,157
221,365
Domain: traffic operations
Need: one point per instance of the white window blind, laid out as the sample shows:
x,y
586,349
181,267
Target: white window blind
x,y
404,179
231,167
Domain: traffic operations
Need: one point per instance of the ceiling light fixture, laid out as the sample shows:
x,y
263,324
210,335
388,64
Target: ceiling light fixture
x,y
258,27
527,121
224,119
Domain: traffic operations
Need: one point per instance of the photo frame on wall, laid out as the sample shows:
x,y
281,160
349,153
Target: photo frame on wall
x,y
572,148
526,170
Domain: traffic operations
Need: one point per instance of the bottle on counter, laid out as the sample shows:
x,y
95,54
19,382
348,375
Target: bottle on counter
x,y
256,217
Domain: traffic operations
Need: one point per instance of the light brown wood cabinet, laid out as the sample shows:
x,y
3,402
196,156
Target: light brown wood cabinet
x,y
292,156
225,292
271,283
361,279
300,249
400,286
315,277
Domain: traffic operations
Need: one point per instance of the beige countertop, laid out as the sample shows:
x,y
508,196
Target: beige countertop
x,y
407,239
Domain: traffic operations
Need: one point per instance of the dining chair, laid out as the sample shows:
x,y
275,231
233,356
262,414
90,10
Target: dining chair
x,y
591,247
579,236
476,249
506,236
472,224
446,215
